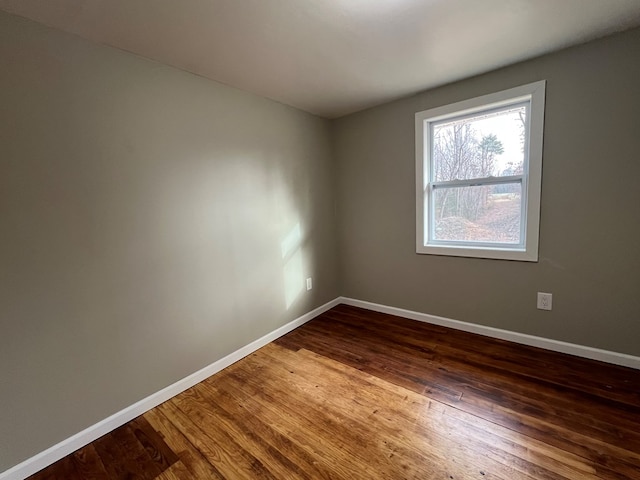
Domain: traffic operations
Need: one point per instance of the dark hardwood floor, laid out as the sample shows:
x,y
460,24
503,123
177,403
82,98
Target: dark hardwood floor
x,y
356,394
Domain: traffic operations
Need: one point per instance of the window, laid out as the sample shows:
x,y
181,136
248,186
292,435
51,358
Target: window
x,y
479,171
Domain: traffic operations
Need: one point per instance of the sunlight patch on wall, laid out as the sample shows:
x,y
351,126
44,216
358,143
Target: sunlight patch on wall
x,y
293,271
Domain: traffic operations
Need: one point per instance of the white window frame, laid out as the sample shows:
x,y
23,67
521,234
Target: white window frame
x,y
533,95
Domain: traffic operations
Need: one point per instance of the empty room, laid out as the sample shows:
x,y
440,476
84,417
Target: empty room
x,y
319,239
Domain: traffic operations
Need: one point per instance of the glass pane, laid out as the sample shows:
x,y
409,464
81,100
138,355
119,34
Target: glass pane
x,y
488,213
487,144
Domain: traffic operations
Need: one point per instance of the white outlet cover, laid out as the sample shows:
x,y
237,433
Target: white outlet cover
x,y
545,301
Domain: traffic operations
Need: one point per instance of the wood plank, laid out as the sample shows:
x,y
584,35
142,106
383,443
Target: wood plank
x,y
157,450
195,462
278,452
324,419
177,471
392,407
136,457
89,463
277,461
118,461
619,383
394,367
583,411
343,447
217,446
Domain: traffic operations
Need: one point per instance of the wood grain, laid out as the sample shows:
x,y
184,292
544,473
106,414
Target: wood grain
x,y
356,394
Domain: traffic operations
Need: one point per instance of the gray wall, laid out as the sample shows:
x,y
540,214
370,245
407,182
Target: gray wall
x,y
143,213
590,225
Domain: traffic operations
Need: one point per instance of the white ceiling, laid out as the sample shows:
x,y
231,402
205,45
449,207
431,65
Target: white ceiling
x,y
334,57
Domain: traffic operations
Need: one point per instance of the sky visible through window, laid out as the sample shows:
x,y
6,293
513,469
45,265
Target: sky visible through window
x,y
506,125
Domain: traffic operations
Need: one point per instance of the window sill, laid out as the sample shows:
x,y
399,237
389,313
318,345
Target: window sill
x,y
514,254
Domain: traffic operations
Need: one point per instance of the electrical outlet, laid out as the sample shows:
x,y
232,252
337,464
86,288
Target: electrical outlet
x,y
545,301
309,283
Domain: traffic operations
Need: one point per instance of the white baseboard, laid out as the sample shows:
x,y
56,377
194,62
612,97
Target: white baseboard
x,y
555,345
79,440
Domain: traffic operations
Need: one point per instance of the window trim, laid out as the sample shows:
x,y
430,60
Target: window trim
x,y
531,179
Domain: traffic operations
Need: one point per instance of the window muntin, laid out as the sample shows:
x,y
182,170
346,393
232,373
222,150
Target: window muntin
x,y
479,171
